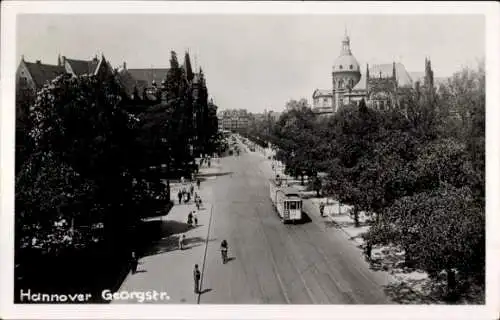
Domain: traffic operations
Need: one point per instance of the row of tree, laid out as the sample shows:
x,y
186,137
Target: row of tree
x,y
83,161
419,170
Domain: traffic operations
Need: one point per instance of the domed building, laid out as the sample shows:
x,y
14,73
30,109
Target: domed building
x,y
345,73
382,86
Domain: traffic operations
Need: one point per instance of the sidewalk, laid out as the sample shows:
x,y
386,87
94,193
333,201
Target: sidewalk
x,y
165,268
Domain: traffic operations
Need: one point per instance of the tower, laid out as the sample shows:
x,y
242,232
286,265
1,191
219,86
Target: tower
x,y
345,73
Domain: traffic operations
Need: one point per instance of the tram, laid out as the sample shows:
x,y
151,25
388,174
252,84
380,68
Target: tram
x,y
286,200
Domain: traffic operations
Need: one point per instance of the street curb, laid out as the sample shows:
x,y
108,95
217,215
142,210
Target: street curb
x,y
205,254
206,242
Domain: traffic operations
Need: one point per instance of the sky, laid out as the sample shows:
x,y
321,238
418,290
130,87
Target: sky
x,y
257,62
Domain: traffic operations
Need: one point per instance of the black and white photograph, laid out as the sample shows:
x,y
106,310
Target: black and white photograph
x,y
259,158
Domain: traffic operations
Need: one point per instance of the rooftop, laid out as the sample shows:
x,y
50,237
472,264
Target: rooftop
x,y
43,73
81,67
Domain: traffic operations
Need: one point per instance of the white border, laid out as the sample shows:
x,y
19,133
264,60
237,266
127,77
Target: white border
x,y
8,68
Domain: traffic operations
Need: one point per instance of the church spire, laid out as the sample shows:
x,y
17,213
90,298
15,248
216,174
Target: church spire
x,y
346,45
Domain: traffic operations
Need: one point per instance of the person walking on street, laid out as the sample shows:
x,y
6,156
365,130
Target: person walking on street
x,y
134,262
190,219
179,196
195,218
322,208
182,237
197,277
191,189
198,182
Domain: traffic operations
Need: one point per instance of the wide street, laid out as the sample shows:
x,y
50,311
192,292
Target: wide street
x,y
270,262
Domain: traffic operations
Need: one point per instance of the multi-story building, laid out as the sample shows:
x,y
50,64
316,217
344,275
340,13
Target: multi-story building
x,y
233,120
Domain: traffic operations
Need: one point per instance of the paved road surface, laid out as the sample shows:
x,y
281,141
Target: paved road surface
x,y
273,263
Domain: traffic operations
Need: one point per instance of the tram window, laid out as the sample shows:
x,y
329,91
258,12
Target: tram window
x,y
293,205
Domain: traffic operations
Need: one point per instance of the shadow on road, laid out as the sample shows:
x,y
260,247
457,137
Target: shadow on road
x,y
305,219
205,291
162,236
215,174
140,271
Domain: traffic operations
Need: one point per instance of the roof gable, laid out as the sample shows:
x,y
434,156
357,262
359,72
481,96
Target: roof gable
x,y
81,67
43,73
322,93
129,82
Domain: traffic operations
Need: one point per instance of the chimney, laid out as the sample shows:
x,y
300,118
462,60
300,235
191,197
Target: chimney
x,y
124,65
38,62
22,57
63,60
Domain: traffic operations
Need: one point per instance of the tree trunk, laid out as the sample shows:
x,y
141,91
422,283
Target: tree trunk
x,y
408,257
451,285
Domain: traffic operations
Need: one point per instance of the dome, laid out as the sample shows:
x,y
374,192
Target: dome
x,y
346,63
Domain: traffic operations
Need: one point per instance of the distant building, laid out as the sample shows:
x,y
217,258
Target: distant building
x,y
382,86
233,120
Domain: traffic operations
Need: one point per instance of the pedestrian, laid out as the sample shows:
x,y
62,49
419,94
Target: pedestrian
x,y
190,219
198,182
196,276
134,262
191,189
179,195
181,241
322,208
195,219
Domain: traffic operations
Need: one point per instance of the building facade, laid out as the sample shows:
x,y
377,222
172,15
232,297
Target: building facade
x,y
233,120
382,86
322,101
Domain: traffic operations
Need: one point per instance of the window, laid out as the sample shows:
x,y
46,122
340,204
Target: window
x,y
340,67
325,100
341,84
293,205
350,67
